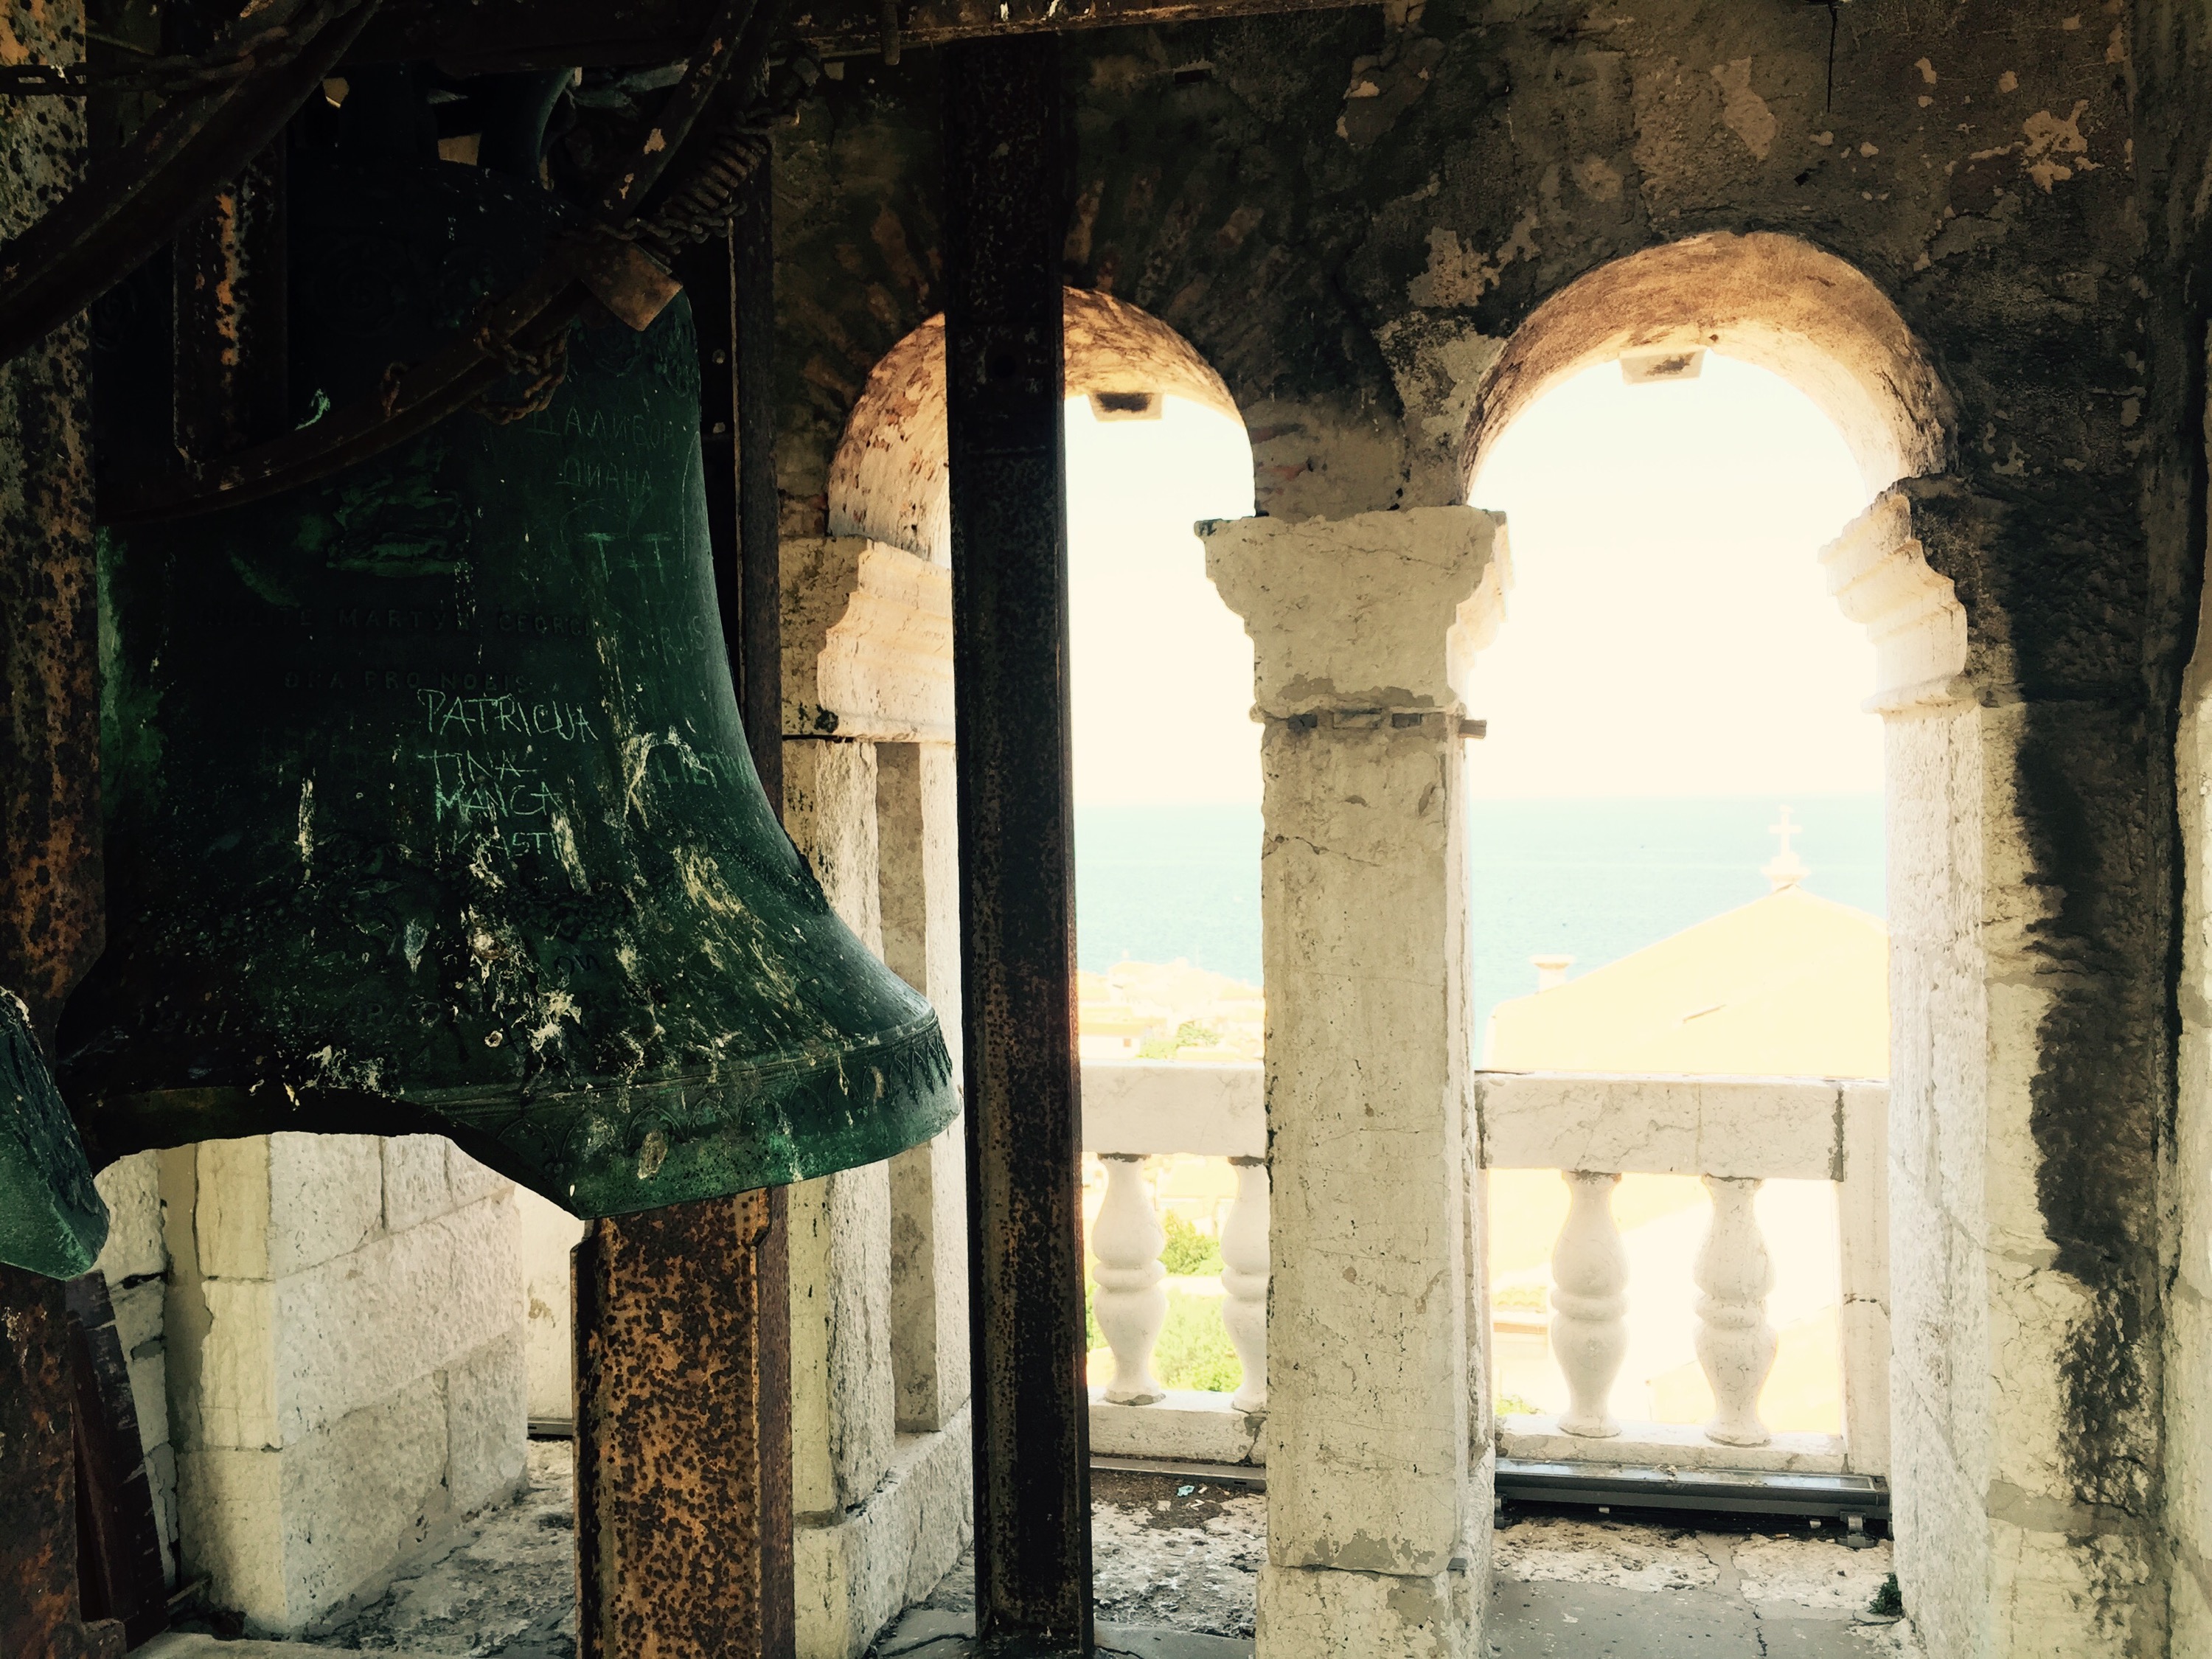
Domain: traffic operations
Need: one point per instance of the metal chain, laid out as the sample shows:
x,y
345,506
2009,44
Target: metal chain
x,y
546,368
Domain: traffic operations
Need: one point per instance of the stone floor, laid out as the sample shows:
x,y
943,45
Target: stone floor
x,y
1617,1589
1177,1561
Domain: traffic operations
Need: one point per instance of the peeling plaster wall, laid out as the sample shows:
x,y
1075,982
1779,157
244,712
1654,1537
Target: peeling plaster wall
x,y
1349,215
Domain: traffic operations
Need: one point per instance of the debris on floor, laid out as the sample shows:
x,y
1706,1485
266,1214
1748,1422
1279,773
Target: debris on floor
x,y
1167,1551
1179,1556
1582,1588
504,1584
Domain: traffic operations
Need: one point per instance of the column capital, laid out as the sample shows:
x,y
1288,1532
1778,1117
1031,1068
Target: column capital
x,y
1376,612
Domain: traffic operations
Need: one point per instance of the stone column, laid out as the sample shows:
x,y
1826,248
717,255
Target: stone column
x,y
918,845
1378,1455
879,1294
842,1400
2000,1551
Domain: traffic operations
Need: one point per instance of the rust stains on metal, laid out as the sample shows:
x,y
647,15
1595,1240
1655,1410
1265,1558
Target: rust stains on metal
x,y
49,889
674,1473
39,1608
232,305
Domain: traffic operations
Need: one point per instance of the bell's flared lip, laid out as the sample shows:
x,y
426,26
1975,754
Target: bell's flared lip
x,y
604,1145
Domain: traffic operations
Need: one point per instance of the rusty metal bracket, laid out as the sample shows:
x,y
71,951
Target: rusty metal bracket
x,y
133,200
623,277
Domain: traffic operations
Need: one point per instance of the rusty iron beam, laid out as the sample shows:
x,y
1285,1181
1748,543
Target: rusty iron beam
x,y
760,705
40,1610
233,357
487,36
52,920
671,1461
51,925
51,891
1005,216
231,363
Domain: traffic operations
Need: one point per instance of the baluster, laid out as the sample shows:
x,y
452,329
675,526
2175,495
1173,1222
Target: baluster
x,y
1131,1305
1589,1300
1244,1280
1735,1345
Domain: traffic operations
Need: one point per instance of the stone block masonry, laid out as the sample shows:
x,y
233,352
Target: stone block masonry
x,y
344,1327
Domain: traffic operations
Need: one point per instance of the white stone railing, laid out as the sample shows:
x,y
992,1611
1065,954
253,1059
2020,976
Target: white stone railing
x,y
1736,1133
1133,1110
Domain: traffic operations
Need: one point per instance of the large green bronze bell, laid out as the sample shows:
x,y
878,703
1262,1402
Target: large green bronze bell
x,y
429,809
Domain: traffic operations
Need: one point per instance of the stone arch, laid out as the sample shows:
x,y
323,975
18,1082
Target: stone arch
x,y
887,480
1823,325
1811,318
1766,298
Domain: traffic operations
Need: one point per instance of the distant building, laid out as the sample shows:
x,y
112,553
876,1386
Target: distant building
x,y
1789,985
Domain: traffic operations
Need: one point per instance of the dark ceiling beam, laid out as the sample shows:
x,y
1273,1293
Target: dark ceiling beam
x,y
486,36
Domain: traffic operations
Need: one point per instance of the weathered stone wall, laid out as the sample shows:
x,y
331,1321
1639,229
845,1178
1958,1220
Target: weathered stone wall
x,y
344,1335
1348,214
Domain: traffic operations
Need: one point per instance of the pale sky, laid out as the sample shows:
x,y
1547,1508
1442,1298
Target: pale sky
x,y
1161,669
1667,632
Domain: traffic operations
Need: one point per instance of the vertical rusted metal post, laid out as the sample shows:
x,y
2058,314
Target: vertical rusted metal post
x,y
1005,211
232,355
683,1315
669,1445
39,1605
232,358
51,916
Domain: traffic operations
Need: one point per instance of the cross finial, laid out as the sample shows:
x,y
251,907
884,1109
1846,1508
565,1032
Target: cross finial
x,y
1785,830
1785,868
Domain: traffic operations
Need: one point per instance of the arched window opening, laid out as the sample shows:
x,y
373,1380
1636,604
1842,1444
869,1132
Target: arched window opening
x,y
1167,791
1677,844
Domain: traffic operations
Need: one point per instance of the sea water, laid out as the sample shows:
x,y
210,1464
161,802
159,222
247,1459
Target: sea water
x,y
1590,878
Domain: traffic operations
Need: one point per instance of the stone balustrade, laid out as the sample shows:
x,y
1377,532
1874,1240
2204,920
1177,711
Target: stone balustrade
x,y
1735,1132
1133,1110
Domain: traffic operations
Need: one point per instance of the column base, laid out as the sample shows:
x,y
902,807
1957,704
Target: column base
x,y
859,1570
1328,1613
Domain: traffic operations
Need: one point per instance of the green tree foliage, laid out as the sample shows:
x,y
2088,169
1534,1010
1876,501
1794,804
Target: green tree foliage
x,y
1189,1250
